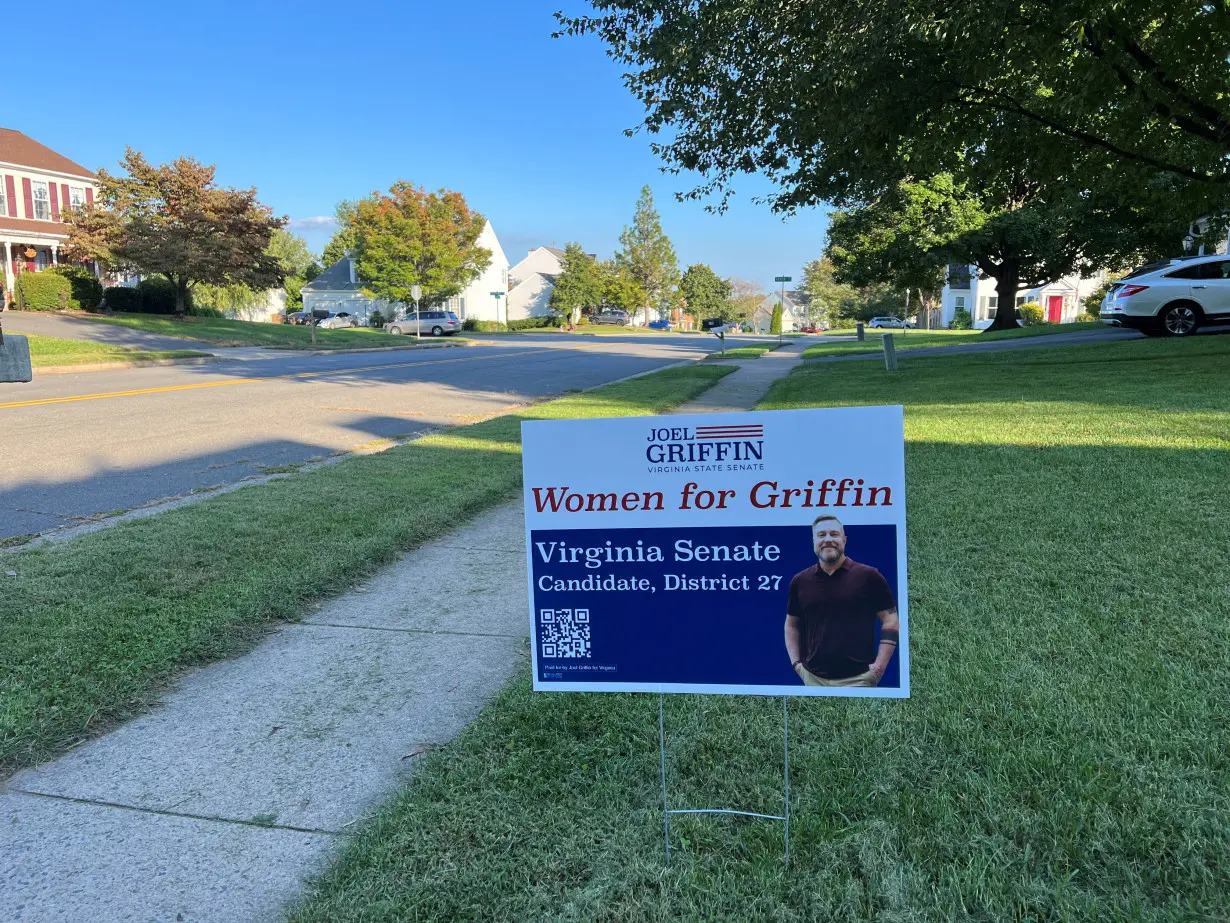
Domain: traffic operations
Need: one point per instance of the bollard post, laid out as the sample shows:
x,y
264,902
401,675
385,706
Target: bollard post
x,y
890,352
859,332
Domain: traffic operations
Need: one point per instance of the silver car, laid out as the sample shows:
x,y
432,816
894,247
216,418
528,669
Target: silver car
x,y
338,321
436,323
1171,297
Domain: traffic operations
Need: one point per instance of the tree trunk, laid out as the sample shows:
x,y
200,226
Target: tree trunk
x,y
181,297
1007,283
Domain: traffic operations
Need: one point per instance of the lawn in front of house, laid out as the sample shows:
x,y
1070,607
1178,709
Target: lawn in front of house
x,y
223,332
54,351
1063,755
914,339
92,629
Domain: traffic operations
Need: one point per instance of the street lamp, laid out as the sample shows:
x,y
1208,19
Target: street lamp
x,y
416,292
497,296
783,280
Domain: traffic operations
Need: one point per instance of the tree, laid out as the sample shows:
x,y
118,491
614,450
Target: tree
x,y
291,251
775,322
707,294
620,289
343,240
414,237
174,221
745,297
580,285
648,256
828,300
856,94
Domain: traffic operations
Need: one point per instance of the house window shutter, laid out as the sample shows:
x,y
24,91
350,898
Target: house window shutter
x,y
11,189
28,194
55,201
64,198
89,195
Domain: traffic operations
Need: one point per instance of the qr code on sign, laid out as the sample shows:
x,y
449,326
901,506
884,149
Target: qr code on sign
x,y
565,632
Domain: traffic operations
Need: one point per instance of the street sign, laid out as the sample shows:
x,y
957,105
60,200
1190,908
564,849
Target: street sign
x,y
783,279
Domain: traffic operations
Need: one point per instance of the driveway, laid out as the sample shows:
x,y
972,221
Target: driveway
x,y
76,328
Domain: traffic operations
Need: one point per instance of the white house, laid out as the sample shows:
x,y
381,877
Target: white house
x,y
794,311
339,289
546,260
1060,300
530,296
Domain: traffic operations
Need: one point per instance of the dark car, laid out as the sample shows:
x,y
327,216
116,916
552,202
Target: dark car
x,y
612,317
299,317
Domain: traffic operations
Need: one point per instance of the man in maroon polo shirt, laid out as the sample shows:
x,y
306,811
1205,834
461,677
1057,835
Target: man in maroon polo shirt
x,y
832,613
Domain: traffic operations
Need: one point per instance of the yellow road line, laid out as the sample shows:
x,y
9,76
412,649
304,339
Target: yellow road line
x,y
247,381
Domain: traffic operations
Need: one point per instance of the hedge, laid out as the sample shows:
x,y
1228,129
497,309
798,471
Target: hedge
x,y
534,323
123,298
85,291
43,291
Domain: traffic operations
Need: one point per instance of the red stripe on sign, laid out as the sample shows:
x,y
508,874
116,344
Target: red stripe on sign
x,y
729,429
756,431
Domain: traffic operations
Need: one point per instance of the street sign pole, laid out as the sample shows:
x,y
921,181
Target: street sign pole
x,y
416,292
783,280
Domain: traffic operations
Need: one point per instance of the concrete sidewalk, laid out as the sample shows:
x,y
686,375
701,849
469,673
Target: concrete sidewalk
x,y
221,802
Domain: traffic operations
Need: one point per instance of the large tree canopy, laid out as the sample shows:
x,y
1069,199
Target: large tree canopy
x,y
707,294
410,236
580,285
837,101
173,220
647,255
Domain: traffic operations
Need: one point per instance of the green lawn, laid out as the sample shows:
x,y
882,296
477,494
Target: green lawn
x,y
53,351
222,332
745,352
90,630
913,339
1065,755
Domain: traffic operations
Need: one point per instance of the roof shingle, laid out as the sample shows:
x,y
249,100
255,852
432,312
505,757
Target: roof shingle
x,y
23,151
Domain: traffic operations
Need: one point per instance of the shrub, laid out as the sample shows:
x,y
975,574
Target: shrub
x,y
582,321
961,320
376,319
1030,314
43,291
157,296
534,323
484,326
85,292
1092,303
1089,318
122,298
775,324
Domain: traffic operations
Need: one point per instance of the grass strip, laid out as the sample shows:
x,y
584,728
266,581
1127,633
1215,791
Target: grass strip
x,y
53,351
745,352
1063,756
92,629
223,332
916,339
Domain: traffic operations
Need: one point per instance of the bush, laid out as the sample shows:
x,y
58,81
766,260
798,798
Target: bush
x,y
43,291
1089,319
157,296
488,326
534,323
85,292
122,298
376,319
1092,303
775,324
961,320
1030,314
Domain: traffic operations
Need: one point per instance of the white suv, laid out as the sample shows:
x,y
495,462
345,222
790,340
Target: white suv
x,y
1172,297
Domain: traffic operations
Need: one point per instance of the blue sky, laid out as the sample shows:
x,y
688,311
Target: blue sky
x,y
313,102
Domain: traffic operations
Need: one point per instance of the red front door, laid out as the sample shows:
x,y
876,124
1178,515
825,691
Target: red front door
x,y
1054,308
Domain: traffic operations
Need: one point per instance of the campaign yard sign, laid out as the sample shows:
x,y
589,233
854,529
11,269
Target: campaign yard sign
x,y
759,553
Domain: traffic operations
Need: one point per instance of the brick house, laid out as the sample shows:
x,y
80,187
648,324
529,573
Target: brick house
x,y
36,185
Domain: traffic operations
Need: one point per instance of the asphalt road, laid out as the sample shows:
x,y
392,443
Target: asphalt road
x,y
79,445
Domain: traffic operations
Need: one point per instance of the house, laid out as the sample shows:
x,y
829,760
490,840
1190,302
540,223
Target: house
x,y
546,260
794,311
968,290
532,281
338,289
36,185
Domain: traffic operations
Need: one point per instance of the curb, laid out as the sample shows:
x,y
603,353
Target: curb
x,y
110,366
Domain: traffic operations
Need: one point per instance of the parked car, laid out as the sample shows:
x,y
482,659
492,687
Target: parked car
x,y
612,317
1172,297
808,328
894,322
338,321
436,323
660,325
303,318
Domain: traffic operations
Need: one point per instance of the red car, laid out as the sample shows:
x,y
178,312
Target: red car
x,y
808,328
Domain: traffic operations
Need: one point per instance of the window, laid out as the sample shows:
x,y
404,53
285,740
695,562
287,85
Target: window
x,y
42,204
76,196
987,306
959,302
958,275
4,203
1020,300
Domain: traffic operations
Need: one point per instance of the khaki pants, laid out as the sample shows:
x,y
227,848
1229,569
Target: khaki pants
x,y
863,679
